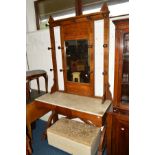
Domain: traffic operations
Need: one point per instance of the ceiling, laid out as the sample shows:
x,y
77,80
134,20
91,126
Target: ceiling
x,y
47,7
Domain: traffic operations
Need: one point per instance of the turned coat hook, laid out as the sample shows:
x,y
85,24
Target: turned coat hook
x,y
105,45
60,48
49,48
51,69
90,46
61,70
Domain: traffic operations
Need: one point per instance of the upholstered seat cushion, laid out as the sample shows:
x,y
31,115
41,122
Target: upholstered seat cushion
x,y
74,137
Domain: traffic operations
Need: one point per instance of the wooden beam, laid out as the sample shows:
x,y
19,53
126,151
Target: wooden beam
x,y
105,11
81,18
55,79
78,7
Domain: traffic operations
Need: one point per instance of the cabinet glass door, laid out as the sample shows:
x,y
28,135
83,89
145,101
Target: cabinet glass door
x,y
121,84
77,61
125,70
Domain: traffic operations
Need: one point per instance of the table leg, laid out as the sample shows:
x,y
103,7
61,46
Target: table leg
x,y
28,146
51,120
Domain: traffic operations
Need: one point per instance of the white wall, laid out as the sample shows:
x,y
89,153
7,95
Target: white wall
x,y
39,57
99,61
59,58
30,16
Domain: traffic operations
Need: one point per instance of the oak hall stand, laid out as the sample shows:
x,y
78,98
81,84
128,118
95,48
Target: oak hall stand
x,y
77,37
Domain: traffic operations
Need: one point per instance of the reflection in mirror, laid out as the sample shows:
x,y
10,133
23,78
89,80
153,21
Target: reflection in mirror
x,y
77,61
125,70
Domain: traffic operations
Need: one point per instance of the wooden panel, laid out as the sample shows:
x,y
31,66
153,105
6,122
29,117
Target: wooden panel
x,y
117,132
76,31
75,88
96,120
120,135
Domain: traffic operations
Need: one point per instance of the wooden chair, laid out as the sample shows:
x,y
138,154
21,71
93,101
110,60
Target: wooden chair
x,y
34,112
28,145
35,74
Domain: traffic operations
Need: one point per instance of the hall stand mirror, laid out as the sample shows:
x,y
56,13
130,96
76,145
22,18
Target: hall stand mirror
x,y
77,61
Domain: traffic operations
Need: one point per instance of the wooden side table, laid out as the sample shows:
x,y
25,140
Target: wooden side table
x,y
33,112
35,74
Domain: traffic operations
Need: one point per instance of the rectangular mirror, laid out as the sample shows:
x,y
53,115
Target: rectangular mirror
x,y
77,61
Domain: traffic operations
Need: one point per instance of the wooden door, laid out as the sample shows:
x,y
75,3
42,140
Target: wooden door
x,y
78,57
120,135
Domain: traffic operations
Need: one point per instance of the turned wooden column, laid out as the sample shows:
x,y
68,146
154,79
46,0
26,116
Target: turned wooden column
x,y
55,78
105,11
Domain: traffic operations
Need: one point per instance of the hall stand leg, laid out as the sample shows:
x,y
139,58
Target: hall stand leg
x,y
51,120
102,142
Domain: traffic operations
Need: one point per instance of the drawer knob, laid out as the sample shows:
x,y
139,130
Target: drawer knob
x,y
122,129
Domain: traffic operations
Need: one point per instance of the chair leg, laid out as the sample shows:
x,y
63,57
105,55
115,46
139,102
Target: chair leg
x,y
29,130
28,146
46,82
38,85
